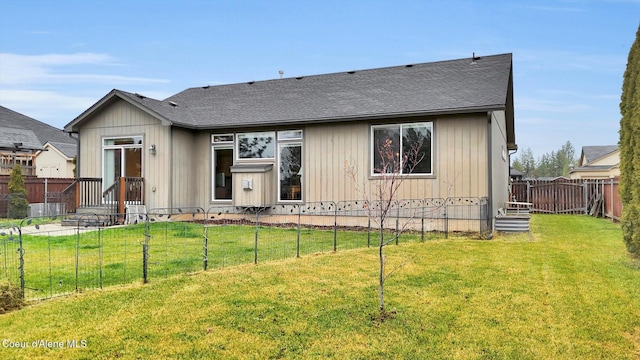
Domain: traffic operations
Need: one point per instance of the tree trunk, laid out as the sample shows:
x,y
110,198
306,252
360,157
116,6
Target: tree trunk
x,y
381,284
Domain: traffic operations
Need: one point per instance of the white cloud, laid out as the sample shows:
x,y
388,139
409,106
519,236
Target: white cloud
x,y
53,108
551,106
18,69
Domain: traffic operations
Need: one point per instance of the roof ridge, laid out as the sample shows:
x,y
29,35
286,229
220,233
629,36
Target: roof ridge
x,y
352,71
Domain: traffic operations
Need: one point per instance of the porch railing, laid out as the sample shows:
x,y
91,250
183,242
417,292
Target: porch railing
x,y
87,193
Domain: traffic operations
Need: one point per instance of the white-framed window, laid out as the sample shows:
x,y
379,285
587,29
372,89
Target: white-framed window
x,y
410,148
282,148
121,157
221,162
290,135
290,171
256,145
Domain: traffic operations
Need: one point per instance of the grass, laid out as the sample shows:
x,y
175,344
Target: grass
x,y
61,264
571,293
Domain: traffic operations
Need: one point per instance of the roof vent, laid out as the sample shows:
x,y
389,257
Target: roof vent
x,y
474,58
206,86
251,82
139,96
351,72
299,77
173,103
409,65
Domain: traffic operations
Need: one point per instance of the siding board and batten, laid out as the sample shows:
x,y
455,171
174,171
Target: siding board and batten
x,y
470,107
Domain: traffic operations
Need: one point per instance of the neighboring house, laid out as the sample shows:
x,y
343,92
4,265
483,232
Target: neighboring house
x,y
286,141
516,175
18,146
597,162
56,160
41,149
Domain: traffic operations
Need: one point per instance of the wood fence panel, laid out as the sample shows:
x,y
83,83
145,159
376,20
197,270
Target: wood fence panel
x,y
570,196
36,188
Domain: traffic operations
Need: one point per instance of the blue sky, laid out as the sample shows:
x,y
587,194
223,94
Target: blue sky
x,y
57,58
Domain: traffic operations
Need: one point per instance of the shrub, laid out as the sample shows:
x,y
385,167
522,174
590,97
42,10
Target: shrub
x,y
10,297
18,204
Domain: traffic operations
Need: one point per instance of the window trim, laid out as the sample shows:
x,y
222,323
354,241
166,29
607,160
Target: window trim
x,y
214,148
279,180
428,124
237,146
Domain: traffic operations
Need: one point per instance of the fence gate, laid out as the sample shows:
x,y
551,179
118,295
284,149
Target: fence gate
x,y
559,197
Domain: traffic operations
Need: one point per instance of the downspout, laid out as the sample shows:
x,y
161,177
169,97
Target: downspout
x,y
490,174
171,173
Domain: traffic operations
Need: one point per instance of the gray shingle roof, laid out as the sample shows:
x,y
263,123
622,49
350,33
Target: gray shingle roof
x,y
69,150
421,88
454,86
44,132
18,139
592,153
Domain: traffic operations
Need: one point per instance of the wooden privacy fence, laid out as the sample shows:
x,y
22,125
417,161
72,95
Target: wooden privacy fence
x,y
38,188
597,197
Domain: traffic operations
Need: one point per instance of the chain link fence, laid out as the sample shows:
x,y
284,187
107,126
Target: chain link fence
x,y
46,258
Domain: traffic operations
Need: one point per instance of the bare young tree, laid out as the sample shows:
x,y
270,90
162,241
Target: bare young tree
x,y
393,166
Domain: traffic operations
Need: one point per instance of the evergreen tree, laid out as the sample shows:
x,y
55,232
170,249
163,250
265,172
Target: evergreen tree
x,y
526,163
630,150
18,204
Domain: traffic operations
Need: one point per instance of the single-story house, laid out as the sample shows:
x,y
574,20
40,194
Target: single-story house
x,y
41,149
285,141
597,162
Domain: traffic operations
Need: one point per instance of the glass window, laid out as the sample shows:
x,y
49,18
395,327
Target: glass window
x,y
226,138
415,142
257,145
222,180
290,171
121,157
290,135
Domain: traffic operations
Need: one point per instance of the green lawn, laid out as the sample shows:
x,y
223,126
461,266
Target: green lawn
x,y
571,293
58,264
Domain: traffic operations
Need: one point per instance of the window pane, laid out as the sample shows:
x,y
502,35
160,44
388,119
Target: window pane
x,y
386,149
290,172
290,134
133,162
223,159
223,138
256,145
416,149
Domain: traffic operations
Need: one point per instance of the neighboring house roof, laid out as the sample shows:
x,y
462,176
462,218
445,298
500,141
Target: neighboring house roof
x,y
68,150
515,172
457,86
595,168
18,139
593,153
43,132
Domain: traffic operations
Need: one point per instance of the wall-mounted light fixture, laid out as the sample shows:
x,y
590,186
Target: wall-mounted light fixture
x,y
152,149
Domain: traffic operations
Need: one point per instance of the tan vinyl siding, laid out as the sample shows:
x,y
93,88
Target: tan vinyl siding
x,y
460,161
202,170
123,119
500,161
